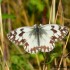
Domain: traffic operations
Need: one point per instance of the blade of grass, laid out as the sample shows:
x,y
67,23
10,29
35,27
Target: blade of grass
x,y
52,13
60,13
63,52
1,51
2,37
24,13
38,62
4,63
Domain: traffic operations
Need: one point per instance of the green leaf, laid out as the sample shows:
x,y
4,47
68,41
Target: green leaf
x,y
52,57
19,61
0,1
36,4
33,2
6,16
40,6
14,59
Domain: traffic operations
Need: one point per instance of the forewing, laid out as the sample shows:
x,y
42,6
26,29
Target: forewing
x,y
57,32
52,33
16,36
22,36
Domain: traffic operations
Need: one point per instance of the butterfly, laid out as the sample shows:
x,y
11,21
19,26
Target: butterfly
x,y
38,37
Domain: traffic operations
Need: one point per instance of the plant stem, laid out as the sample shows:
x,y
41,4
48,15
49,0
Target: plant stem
x,y
52,13
63,52
38,62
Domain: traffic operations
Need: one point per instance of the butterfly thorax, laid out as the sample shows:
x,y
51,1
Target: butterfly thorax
x,y
37,32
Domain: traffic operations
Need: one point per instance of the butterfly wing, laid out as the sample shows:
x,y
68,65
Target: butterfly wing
x,y
16,36
59,32
22,36
52,34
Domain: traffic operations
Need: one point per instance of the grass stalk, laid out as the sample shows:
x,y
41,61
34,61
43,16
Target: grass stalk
x,y
52,13
63,52
4,63
24,13
38,62
2,36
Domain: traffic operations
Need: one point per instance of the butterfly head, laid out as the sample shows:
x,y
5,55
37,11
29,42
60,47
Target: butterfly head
x,y
37,25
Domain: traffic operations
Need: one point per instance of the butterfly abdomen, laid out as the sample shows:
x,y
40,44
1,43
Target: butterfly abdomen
x,y
38,35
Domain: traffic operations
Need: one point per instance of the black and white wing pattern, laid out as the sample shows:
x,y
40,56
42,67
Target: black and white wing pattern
x,y
21,36
53,33
38,38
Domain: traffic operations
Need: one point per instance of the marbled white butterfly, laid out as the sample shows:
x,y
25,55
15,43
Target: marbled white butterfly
x,y
38,37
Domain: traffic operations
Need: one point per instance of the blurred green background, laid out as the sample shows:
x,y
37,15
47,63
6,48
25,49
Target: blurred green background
x,y
19,13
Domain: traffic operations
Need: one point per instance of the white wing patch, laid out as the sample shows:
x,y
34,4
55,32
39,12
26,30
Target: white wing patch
x,y
23,36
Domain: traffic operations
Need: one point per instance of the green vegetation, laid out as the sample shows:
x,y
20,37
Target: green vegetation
x,y
19,13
